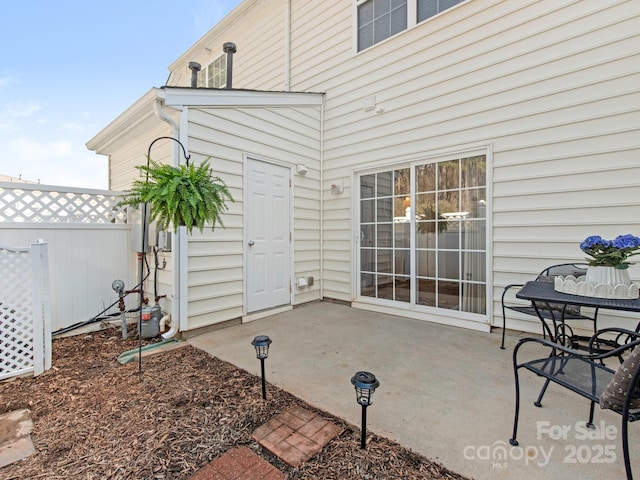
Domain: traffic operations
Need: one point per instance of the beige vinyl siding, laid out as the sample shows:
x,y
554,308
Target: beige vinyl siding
x,y
551,86
319,48
122,161
287,135
258,30
122,173
126,140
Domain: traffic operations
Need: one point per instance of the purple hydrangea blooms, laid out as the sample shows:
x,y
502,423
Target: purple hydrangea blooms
x,y
611,253
627,241
594,241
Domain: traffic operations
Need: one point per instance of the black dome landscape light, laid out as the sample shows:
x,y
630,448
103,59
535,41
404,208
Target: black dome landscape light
x,y
365,384
261,344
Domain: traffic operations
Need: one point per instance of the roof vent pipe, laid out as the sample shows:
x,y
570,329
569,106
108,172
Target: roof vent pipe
x,y
195,67
229,48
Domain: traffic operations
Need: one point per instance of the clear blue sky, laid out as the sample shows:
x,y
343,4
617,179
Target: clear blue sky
x,y
69,67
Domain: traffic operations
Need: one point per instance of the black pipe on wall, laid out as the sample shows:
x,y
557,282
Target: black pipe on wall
x,y
229,48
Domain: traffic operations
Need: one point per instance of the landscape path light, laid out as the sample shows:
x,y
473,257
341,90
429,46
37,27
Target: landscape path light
x,y
365,384
261,344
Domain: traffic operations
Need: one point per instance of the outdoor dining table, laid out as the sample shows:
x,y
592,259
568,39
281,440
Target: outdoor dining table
x,y
544,292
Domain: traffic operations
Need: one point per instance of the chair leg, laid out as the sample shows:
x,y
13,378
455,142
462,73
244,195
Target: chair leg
x,y
504,326
538,402
513,440
625,448
590,422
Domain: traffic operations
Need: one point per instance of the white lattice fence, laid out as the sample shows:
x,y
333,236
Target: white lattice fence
x,y
46,204
25,320
88,238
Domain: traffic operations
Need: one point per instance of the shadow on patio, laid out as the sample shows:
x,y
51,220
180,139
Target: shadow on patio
x,y
445,392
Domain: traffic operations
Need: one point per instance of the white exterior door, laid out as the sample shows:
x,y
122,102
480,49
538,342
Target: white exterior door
x,y
267,249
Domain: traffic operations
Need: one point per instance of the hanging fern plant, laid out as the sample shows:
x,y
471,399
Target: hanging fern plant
x,y
180,195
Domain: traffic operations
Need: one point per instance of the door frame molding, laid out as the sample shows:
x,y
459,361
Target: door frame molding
x,y
435,315
259,158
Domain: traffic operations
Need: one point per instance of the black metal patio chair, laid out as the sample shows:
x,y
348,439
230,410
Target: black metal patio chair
x,y
555,313
587,375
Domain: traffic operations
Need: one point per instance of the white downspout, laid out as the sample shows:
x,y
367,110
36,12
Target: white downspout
x,y
176,298
157,108
287,47
182,273
322,200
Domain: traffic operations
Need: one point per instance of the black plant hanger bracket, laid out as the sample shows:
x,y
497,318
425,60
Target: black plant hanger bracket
x,y
142,249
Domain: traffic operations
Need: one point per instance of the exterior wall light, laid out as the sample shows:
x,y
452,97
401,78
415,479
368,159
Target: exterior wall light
x,y
261,344
365,384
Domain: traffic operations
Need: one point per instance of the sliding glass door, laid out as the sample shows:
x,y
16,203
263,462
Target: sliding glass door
x,y
423,234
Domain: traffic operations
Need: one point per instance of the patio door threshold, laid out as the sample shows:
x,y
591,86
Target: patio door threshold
x,y
265,313
424,316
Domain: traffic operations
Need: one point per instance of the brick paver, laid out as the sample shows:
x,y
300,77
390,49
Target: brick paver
x,y
239,464
296,435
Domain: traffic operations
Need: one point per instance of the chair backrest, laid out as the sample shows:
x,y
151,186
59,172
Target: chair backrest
x,y
564,269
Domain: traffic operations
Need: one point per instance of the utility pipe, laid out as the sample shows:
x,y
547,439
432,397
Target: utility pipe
x,y
173,327
178,256
195,67
123,313
229,48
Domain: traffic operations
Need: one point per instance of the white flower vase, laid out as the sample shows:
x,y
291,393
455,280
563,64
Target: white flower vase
x,y
601,282
608,275
611,282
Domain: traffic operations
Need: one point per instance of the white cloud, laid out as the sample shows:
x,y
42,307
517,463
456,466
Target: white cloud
x,y
73,127
18,110
49,150
54,163
11,114
27,149
7,81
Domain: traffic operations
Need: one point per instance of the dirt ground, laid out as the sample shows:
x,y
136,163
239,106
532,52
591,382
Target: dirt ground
x,y
96,419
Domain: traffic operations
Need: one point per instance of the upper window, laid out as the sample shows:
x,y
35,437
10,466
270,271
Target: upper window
x,y
429,8
214,75
381,19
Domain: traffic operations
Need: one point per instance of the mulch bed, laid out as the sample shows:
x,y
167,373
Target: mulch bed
x,y
96,419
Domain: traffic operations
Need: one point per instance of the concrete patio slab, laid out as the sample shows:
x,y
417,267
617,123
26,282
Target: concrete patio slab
x,y
445,392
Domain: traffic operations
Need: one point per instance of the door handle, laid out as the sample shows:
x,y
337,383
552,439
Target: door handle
x,y
251,242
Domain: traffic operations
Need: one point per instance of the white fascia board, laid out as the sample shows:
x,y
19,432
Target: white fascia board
x,y
209,97
137,113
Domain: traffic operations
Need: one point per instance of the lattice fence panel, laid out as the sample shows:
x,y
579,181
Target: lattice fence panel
x,y
16,312
43,204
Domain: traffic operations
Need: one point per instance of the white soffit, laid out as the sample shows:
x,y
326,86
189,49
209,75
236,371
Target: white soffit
x,y
134,118
208,97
